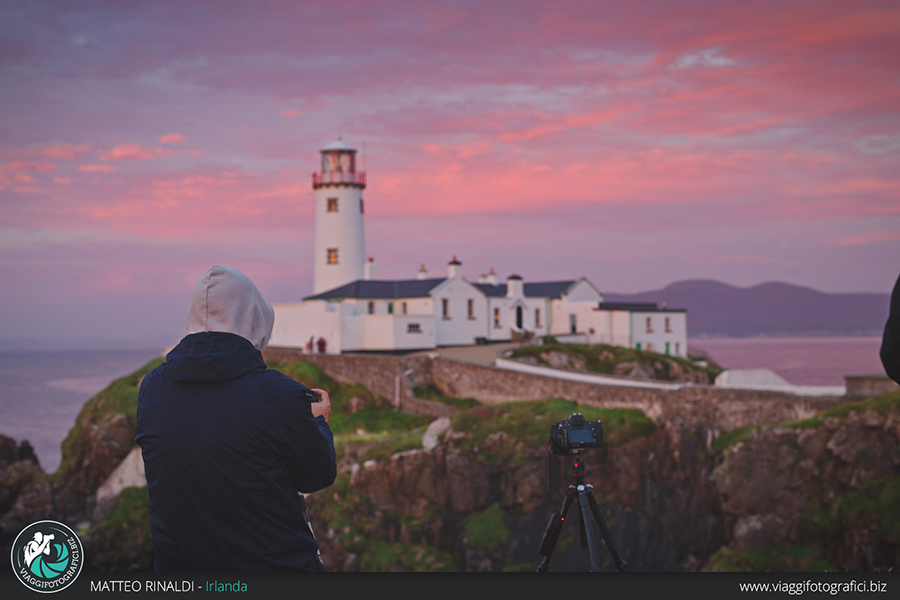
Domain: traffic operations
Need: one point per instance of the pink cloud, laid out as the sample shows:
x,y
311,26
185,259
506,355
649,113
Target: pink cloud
x,y
172,138
16,172
870,237
65,151
96,168
133,152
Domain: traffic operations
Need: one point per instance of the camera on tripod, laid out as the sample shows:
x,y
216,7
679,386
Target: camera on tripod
x,y
575,435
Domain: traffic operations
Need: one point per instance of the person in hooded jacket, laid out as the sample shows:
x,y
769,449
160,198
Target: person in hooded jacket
x,y
228,444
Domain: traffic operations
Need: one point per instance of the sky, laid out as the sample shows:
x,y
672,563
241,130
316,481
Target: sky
x,y
636,144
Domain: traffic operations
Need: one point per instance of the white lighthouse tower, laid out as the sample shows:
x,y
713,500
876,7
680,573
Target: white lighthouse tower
x,y
340,246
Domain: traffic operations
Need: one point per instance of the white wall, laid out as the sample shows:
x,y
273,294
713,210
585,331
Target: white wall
x,y
295,322
458,328
582,291
658,336
342,230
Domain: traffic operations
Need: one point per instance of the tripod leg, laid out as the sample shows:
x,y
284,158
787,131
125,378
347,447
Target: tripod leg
x,y
551,535
583,502
621,565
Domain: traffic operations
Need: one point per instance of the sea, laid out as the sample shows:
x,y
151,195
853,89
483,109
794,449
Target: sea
x,y
42,392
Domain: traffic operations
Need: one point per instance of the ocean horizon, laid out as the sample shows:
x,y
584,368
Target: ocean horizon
x,y
43,390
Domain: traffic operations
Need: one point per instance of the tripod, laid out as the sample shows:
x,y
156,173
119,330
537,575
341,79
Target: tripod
x,y
585,494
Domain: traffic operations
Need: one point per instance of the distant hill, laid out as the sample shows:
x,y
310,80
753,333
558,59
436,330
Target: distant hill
x,y
774,308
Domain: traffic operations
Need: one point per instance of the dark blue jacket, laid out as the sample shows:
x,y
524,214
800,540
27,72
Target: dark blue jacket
x,y
227,445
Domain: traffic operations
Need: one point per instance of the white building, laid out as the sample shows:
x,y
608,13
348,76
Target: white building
x,y
352,311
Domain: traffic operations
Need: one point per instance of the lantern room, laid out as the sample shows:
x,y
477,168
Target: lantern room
x,y
339,167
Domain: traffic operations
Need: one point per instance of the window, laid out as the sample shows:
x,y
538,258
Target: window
x,y
668,324
496,318
390,308
649,346
445,307
361,206
678,348
332,256
470,305
537,317
403,308
668,349
332,204
413,328
649,324
371,308
573,323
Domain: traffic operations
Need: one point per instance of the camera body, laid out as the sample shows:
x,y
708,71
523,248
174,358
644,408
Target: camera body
x,y
575,435
310,396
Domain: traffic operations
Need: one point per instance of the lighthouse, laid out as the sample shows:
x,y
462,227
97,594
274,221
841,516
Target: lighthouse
x,y
340,246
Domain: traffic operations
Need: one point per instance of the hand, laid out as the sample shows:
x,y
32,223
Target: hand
x,y
322,408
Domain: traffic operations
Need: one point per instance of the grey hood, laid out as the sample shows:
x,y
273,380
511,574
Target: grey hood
x,y
224,299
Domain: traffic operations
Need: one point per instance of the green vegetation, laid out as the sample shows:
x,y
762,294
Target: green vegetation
x,y
727,439
882,405
488,529
782,559
386,556
875,506
602,358
118,398
430,392
353,406
529,422
124,537
353,517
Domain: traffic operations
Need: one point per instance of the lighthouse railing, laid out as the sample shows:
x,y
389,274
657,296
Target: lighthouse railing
x,y
338,177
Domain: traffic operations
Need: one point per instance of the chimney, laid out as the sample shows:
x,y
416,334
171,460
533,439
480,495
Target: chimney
x,y
453,268
491,277
514,287
370,272
423,273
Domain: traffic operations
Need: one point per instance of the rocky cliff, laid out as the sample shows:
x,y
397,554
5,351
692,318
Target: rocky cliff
x,y
470,491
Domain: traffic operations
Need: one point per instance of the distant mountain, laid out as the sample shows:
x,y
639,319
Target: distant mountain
x,y
774,308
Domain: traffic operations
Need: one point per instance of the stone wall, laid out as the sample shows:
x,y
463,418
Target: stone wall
x,y
375,371
720,408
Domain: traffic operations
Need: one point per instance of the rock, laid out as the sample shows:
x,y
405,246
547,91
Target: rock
x,y
759,531
563,360
129,473
431,437
634,370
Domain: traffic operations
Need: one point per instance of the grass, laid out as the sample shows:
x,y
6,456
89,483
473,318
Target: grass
x,y
430,392
529,422
124,537
883,405
727,439
375,415
119,397
781,559
488,529
388,556
603,358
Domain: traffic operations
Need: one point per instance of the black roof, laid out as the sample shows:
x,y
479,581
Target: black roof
x,y
541,289
365,288
636,307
